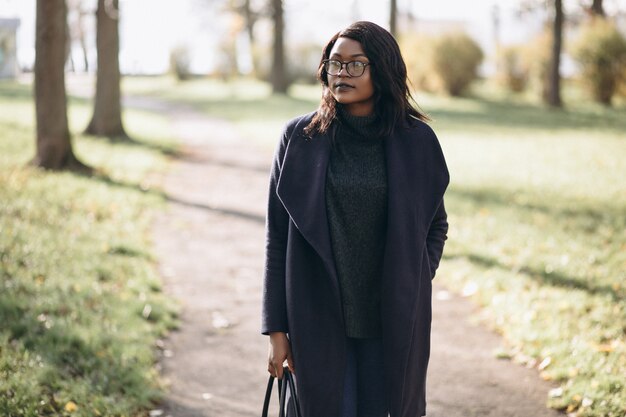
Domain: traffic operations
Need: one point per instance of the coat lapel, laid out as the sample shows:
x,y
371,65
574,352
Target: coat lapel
x,y
416,180
301,188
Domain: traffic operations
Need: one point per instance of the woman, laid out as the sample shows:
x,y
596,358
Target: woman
x,y
355,230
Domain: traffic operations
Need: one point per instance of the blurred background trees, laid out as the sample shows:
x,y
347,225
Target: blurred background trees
x,y
585,35
552,94
443,60
393,17
279,77
445,64
601,52
256,42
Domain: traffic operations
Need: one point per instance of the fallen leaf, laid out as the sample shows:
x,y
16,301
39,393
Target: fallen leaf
x,y
555,392
602,347
71,406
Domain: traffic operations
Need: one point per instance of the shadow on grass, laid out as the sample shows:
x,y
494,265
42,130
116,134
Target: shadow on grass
x,y
165,149
569,216
587,217
195,159
9,89
268,108
252,217
503,114
103,178
542,276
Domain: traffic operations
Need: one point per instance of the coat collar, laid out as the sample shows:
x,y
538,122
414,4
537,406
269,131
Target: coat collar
x,y
301,188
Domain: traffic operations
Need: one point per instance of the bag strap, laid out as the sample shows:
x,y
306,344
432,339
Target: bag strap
x,y
283,395
268,396
294,395
282,392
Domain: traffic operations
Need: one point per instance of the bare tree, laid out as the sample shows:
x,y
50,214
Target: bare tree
x,y
553,97
250,18
107,114
78,12
54,146
279,78
393,15
597,8
551,81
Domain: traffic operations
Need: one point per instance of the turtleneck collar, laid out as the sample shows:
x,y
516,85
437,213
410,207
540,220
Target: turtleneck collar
x,y
361,125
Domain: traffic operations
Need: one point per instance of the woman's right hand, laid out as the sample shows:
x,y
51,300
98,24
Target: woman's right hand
x,y
280,350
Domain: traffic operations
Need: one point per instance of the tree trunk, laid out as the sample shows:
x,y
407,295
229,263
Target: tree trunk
x,y
280,82
597,8
554,93
107,114
495,21
54,147
250,20
68,47
393,14
81,38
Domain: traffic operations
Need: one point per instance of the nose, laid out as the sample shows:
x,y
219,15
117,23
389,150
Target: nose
x,y
344,67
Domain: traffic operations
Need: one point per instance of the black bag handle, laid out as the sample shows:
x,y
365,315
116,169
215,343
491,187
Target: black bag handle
x,y
287,380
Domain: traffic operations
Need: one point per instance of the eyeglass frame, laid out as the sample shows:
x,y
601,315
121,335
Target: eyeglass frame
x,y
342,63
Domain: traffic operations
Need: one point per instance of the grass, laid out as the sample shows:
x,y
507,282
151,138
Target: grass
x,y
537,212
81,306
537,206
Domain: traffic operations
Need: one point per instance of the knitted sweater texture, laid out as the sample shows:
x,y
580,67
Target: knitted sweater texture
x,y
356,203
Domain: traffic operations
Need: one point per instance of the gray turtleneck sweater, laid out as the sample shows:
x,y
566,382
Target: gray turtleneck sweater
x,y
356,203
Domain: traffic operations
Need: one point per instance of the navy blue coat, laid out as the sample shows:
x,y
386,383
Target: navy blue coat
x,y
301,290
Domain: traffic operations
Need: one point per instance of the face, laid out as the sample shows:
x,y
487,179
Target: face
x,y
355,93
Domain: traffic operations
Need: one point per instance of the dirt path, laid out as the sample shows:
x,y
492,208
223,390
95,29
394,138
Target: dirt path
x,y
210,245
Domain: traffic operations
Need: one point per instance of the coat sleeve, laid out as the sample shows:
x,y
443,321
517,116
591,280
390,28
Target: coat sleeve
x,y
437,235
274,309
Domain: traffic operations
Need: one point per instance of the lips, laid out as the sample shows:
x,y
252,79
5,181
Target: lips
x,y
342,84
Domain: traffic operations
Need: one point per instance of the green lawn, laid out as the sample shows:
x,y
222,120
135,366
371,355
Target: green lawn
x,y
537,211
81,306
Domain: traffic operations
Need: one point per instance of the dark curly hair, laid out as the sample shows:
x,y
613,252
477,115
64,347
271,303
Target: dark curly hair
x,y
393,102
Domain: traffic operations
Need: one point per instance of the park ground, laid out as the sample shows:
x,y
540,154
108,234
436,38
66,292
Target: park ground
x,y
170,232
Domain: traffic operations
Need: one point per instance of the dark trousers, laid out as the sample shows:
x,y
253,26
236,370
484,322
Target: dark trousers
x,y
364,390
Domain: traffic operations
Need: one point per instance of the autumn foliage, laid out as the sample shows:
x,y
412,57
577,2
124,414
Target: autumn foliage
x,y
601,53
446,63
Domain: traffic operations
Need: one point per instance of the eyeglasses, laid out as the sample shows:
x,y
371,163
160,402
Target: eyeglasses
x,y
354,68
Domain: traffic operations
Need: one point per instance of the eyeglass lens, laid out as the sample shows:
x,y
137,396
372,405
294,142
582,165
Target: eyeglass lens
x,y
354,68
